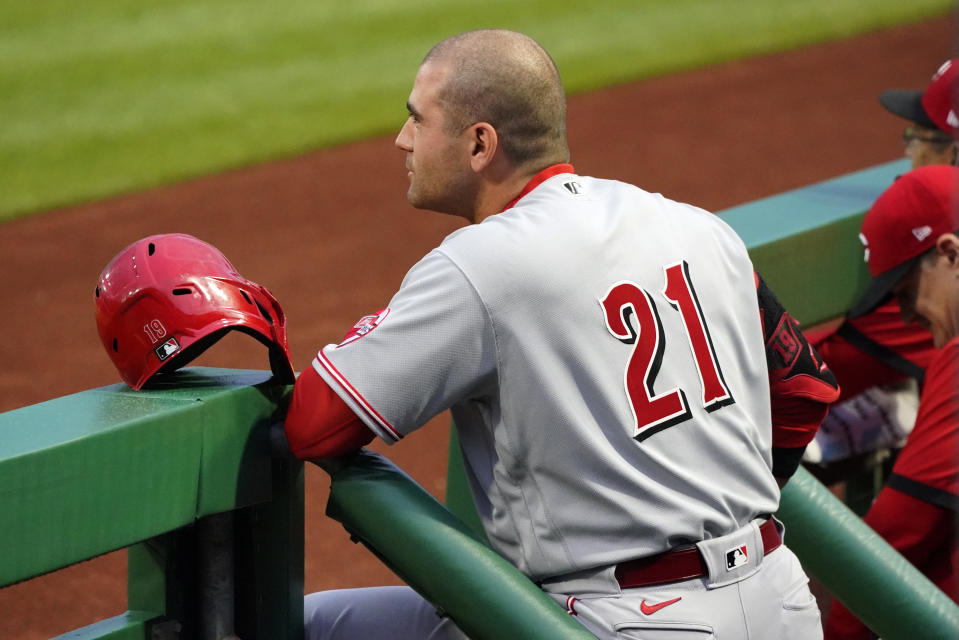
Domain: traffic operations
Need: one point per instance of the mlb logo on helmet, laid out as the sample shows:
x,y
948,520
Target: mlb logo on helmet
x,y
167,349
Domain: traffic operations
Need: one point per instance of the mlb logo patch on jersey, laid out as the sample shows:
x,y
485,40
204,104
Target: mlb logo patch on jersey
x,y
737,557
364,326
574,188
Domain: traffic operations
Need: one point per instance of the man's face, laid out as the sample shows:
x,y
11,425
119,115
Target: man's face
x,y
928,146
437,160
929,295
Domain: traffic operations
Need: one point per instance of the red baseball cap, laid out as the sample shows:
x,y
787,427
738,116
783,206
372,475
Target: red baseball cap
x,y
903,223
934,108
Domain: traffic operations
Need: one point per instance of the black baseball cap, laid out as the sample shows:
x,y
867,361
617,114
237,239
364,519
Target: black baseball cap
x,y
906,104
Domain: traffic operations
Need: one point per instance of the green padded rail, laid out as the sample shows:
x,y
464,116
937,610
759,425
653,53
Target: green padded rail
x,y
99,470
860,568
805,242
440,556
109,468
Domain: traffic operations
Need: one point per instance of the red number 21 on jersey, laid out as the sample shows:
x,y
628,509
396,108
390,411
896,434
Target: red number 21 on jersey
x,y
626,300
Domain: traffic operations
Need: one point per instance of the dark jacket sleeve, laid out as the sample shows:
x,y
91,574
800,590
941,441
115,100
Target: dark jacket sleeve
x,y
801,386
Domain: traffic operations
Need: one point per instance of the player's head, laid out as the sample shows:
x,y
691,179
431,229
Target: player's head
x,y
164,299
507,79
931,137
481,98
912,249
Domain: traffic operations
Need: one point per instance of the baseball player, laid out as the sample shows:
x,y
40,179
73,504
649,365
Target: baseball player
x,y
933,131
913,252
605,363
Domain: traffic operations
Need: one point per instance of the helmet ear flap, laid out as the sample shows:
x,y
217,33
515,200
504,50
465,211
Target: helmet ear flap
x,y
165,299
279,351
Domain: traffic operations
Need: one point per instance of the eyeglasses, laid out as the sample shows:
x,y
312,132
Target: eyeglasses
x,y
936,137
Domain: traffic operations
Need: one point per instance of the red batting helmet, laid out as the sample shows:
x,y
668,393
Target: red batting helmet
x,y
166,298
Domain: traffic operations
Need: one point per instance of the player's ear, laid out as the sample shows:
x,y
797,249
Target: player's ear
x,y
484,143
948,246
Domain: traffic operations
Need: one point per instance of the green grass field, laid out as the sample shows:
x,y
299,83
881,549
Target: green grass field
x,y
108,96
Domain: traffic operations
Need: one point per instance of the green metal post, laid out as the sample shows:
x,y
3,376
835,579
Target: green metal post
x,y
160,580
269,563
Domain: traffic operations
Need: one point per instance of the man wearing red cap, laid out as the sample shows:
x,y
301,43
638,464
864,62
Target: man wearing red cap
x,y
934,124
874,356
912,249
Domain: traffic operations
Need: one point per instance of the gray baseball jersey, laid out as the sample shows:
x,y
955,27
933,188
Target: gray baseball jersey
x,y
601,351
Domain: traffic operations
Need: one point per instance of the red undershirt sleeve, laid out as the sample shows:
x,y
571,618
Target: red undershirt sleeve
x,y
319,424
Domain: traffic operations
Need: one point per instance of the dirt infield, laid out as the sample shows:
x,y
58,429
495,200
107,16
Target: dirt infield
x,y
331,235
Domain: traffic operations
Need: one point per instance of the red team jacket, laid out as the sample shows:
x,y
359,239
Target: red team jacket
x,y
925,485
857,371
916,512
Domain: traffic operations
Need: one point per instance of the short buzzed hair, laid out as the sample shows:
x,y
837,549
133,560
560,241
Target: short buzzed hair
x,y
507,79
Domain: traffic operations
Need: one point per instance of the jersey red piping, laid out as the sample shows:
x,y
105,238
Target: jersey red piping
x,y
539,179
360,400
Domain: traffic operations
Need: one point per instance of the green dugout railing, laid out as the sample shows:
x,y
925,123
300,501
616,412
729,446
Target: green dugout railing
x,y
184,477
